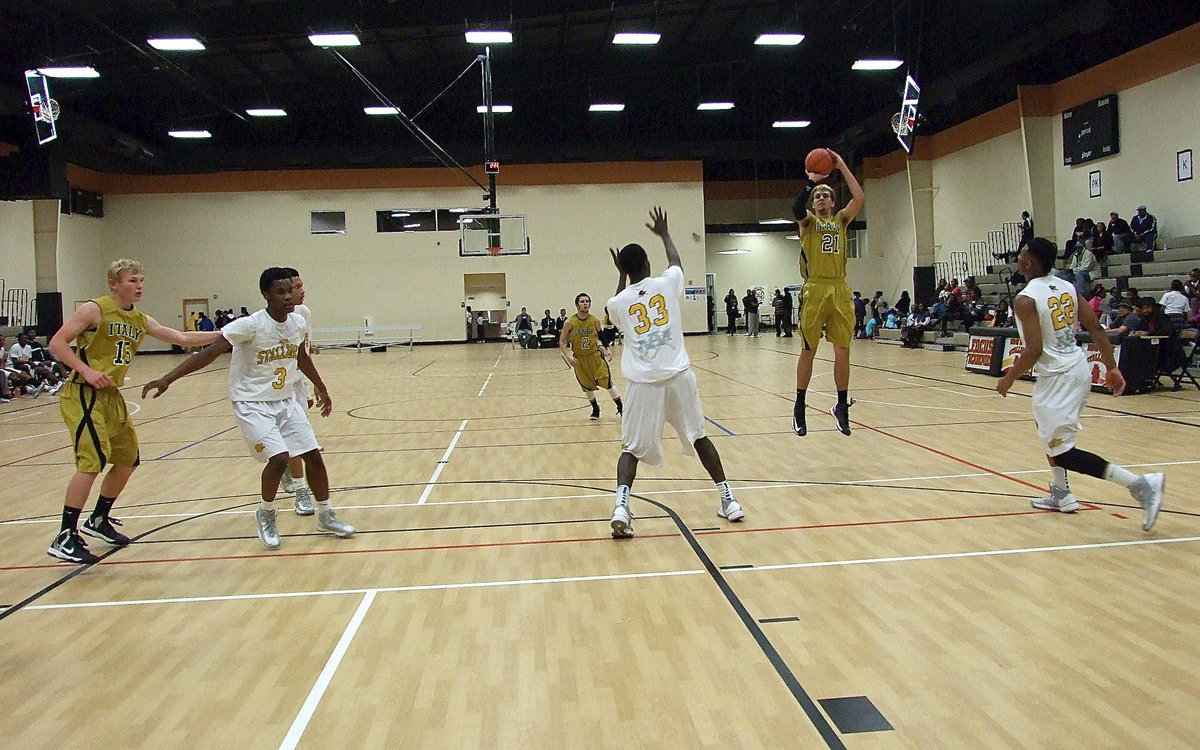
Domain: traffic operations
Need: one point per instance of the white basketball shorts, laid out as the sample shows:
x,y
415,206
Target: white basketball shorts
x,y
273,427
648,405
1058,402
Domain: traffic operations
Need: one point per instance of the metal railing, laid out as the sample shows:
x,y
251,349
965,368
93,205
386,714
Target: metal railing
x,y
941,270
18,307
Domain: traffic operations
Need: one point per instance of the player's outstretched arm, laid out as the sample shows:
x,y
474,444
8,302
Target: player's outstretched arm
x,y
180,338
84,318
1026,311
624,279
857,199
658,225
197,361
305,363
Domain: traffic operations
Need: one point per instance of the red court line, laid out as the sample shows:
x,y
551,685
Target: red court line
x,y
882,432
484,545
148,421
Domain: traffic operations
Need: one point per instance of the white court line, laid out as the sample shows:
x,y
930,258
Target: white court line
x,y
485,382
441,464
945,390
497,362
918,406
744,488
618,577
31,437
318,690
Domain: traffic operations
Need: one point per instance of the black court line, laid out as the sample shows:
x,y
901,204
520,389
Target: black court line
x,y
781,668
724,429
769,620
744,566
198,442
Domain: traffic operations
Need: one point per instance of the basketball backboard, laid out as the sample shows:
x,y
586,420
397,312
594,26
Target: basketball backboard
x,y
41,106
482,234
908,114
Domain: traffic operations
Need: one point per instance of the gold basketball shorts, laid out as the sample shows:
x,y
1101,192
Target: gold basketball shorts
x,y
99,425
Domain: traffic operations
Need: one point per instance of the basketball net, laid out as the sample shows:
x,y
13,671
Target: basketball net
x,y
900,126
494,251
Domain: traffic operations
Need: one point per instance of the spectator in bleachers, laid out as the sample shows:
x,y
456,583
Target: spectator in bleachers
x,y
1102,242
547,322
1175,303
1114,299
561,320
1026,229
1080,269
1078,234
1097,301
524,328
1152,319
1121,235
1131,296
1191,288
1145,229
915,326
953,310
975,311
1121,320
903,305
1002,318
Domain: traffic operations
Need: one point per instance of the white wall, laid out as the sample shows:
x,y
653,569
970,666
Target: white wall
x,y
1157,119
16,247
217,244
978,189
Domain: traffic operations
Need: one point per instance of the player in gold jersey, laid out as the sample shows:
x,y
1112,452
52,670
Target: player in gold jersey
x,y
827,304
587,355
108,331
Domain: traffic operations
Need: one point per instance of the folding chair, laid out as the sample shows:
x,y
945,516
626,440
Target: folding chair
x,y
1187,345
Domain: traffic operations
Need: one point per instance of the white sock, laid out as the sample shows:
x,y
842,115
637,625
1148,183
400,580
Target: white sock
x,y
322,505
723,488
613,392
623,496
1058,478
266,505
298,482
1121,476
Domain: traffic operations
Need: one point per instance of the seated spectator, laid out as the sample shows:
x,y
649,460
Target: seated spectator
x,y
1080,268
915,326
1145,229
523,328
547,335
46,366
872,325
1002,318
1191,288
1123,319
18,365
561,320
205,323
1118,228
1152,320
904,304
1176,303
975,311
547,323
1131,296
608,331
953,310
1102,242
1114,299
1097,301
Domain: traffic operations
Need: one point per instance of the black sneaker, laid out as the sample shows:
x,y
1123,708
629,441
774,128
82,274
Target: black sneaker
x,y
103,529
841,412
595,410
68,546
798,423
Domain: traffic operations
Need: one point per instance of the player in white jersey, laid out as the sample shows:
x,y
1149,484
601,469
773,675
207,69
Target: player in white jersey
x,y
662,387
1047,312
269,353
293,476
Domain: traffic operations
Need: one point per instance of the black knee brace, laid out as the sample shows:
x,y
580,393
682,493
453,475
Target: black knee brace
x,y
1082,462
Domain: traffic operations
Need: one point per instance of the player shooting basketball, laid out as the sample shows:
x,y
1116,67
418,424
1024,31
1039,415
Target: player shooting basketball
x,y
827,303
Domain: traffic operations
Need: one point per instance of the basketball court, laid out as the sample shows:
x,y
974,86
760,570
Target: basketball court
x,y
889,589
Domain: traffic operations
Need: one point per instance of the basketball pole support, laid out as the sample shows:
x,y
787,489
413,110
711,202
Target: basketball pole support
x,y
489,129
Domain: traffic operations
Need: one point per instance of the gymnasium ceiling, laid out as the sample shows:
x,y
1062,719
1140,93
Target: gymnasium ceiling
x,y
968,56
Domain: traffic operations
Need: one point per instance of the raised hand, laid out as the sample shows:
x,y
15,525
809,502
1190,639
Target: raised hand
x,y
613,252
658,221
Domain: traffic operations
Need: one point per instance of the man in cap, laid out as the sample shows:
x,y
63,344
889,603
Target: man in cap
x,y
1145,229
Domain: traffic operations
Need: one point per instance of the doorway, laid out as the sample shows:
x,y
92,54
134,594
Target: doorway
x,y
487,294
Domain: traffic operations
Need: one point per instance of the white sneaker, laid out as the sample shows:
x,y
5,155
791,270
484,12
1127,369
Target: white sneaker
x,y
328,523
304,502
37,390
622,522
1149,494
731,510
1063,502
54,389
268,532
288,484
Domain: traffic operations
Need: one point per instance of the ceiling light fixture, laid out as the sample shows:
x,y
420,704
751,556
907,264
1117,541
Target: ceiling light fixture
x,y
606,108
267,112
189,134
866,63
489,37
381,110
777,221
735,251
496,108
340,39
792,237
85,71
746,234
632,37
712,106
779,40
176,44
791,124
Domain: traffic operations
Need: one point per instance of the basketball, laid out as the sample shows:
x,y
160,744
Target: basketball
x,y
819,161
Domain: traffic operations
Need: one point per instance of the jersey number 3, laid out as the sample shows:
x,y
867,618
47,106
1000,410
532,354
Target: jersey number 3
x,y
280,378
639,311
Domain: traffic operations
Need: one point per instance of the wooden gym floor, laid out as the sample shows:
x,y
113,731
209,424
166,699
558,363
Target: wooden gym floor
x,y
483,604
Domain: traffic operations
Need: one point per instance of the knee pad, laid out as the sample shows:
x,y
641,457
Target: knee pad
x,y
1082,462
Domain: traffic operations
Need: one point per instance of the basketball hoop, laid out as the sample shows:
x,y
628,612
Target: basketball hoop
x,y
899,125
494,251
52,109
